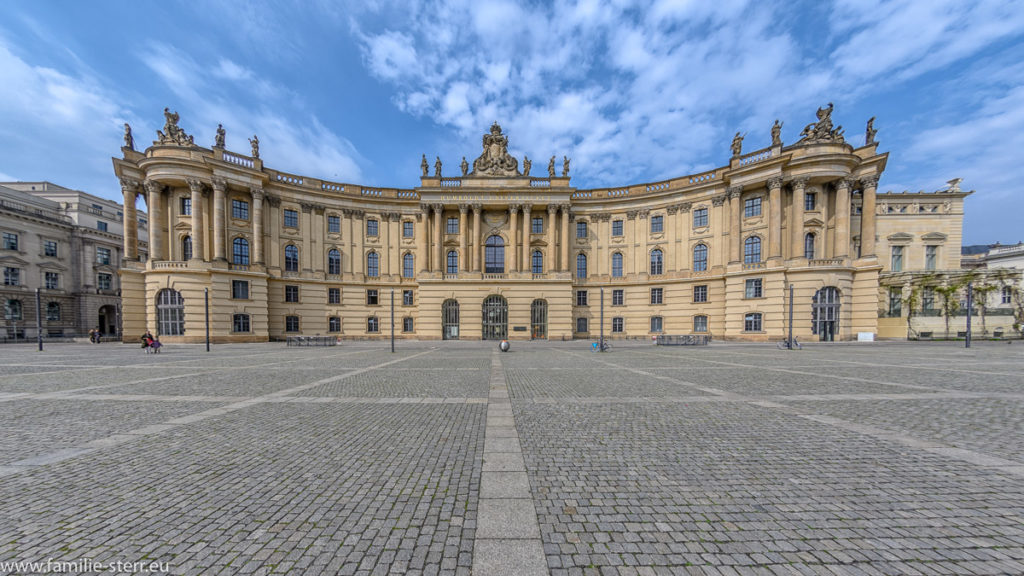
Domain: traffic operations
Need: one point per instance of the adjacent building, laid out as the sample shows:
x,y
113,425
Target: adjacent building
x,y
498,251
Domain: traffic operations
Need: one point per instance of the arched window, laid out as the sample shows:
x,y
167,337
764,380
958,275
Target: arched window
x,y
752,250
408,266
240,251
494,255
186,248
700,258
291,258
170,313
617,265
53,311
333,262
453,262
657,262
537,262
752,322
809,246
581,265
373,264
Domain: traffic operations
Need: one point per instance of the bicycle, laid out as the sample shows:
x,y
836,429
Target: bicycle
x,y
600,346
787,345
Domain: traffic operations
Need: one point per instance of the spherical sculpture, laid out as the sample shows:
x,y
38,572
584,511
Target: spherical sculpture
x,y
504,346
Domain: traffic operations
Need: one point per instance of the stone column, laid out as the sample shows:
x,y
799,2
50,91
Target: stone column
x,y
775,217
306,227
527,224
842,244
130,189
717,256
683,255
198,234
477,237
274,218
463,238
565,238
358,253
219,225
867,215
551,260
257,223
423,237
735,245
796,224
438,248
826,245
513,238
153,196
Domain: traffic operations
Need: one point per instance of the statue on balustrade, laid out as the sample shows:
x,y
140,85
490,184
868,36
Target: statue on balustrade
x,y
424,166
526,165
218,140
737,144
495,159
255,143
565,166
464,166
172,134
869,134
551,168
777,133
821,131
437,167
129,141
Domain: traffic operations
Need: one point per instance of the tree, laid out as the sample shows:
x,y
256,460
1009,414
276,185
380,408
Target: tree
x,y
981,292
912,301
950,302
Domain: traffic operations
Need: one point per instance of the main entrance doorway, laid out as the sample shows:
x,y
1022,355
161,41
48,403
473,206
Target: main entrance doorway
x,y
539,320
107,322
450,320
825,313
495,320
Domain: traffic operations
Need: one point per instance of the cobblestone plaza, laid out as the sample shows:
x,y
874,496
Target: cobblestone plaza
x,y
452,458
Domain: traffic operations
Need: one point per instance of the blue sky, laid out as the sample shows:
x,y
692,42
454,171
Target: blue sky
x,y
632,91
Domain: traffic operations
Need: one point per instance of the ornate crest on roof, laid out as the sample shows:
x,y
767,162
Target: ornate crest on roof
x,y
172,134
821,131
495,160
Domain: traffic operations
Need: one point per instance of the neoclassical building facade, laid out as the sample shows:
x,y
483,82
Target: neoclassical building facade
x,y
498,252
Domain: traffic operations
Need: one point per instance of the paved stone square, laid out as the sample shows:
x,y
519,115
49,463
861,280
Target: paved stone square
x,y
453,458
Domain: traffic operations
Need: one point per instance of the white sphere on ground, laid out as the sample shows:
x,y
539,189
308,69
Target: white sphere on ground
x,y
504,346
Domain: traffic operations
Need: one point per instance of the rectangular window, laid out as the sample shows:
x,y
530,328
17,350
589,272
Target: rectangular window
x,y
372,324
895,302
928,299
752,322
752,288
291,323
240,289
897,259
536,225
618,297
406,297
12,276
50,248
810,200
407,324
452,226
700,323
931,254
10,241
186,206
240,209
101,226
334,295
657,295
581,297
657,224
291,218
104,281
700,217
581,325
372,227
1007,295
581,229
291,293
751,207
616,227
656,323
700,293
618,325
97,207
334,224
241,323
102,255
52,280
371,297
334,324
407,229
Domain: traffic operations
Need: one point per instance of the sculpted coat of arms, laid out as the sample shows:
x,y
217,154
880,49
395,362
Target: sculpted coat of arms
x,y
495,160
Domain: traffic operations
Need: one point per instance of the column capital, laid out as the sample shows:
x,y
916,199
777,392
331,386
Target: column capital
x,y
685,206
273,201
129,185
799,183
718,200
846,183
631,214
153,187
463,208
257,192
219,184
477,208
869,181
438,207
386,216
775,183
195,185
527,208
552,208
672,209
306,207
643,213
734,192
514,208
602,217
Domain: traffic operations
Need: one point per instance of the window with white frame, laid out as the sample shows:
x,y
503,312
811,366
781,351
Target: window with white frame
x,y
752,322
291,218
334,295
657,224
581,297
239,209
102,255
240,323
618,297
291,323
657,295
104,281
334,324
896,263
10,241
752,207
656,324
240,289
752,288
333,224
700,323
618,325
616,227
700,217
700,293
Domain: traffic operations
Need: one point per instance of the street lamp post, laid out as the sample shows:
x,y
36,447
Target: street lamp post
x,y
39,320
206,297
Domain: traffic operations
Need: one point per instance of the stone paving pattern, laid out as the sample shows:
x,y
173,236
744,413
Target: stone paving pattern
x,y
730,459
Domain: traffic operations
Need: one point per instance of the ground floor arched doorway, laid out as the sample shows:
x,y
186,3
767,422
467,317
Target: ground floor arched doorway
x,y
450,319
539,320
170,313
106,323
825,313
495,318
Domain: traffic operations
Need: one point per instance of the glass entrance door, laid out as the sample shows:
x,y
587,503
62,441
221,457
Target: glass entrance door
x,y
825,313
539,320
450,320
495,318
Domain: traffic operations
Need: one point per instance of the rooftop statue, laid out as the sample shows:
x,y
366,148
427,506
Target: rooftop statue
x,y
526,165
551,168
255,143
737,144
172,134
437,167
495,160
129,141
869,135
777,133
464,166
565,166
424,166
821,131
218,141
